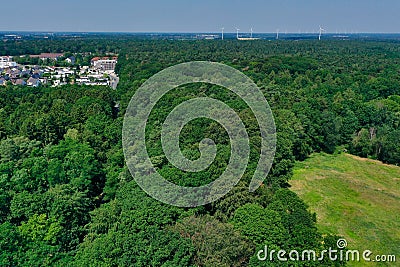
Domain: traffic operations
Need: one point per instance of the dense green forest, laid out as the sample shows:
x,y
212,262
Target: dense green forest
x,y
67,198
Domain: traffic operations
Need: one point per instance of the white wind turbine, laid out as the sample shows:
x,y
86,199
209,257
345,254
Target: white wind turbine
x,y
237,33
321,30
251,33
277,34
222,36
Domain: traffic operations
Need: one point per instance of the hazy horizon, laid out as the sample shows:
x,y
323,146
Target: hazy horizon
x,y
207,16
193,32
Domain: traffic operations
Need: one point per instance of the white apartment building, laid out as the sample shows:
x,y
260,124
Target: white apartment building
x,y
6,62
105,63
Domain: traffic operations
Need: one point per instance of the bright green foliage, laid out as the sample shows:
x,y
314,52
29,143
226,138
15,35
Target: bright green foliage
x,y
40,228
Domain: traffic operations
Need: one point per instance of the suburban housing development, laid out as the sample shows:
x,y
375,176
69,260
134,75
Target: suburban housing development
x,y
100,72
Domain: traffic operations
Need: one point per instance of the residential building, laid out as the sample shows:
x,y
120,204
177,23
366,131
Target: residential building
x,y
104,63
19,82
34,76
44,56
6,62
71,60
33,82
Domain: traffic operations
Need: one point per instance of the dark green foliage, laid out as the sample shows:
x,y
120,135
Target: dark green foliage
x,y
130,231
66,197
216,243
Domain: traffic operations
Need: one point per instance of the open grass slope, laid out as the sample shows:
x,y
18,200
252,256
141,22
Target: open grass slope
x,y
356,198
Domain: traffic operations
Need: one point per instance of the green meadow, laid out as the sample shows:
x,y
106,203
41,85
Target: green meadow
x,y
354,197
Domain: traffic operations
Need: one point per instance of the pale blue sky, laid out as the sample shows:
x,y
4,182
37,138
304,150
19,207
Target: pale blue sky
x,y
202,15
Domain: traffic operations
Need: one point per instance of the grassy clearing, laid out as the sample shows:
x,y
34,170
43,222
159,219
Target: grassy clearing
x,y
356,198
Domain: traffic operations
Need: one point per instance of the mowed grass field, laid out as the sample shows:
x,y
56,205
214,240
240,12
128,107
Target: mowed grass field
x,y
356,198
